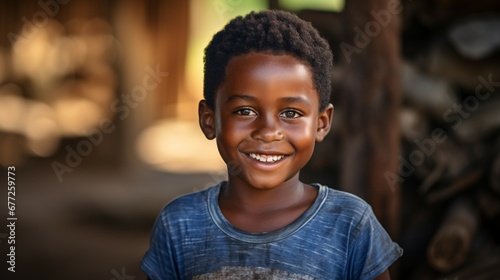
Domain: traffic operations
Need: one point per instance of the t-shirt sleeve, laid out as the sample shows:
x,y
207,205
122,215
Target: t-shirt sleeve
x,y
372,250
159,261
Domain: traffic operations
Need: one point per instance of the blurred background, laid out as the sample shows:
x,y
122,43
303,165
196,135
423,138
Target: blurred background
x,y
98,115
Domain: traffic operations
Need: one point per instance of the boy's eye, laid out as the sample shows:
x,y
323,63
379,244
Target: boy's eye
x,y
245,112
290,114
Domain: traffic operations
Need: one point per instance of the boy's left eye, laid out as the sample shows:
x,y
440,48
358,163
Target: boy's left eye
x,y
290,114
245,112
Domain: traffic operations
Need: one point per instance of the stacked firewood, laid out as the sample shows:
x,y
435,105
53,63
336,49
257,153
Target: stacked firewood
x,y
450,123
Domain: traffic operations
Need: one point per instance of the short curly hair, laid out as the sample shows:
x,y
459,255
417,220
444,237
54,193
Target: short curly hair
x,y
271,31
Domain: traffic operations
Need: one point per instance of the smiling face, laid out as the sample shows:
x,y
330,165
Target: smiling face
x,y
266,119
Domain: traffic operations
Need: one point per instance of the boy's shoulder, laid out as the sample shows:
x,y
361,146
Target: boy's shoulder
x,y
343,212
187,203
345,201
351,208
189,200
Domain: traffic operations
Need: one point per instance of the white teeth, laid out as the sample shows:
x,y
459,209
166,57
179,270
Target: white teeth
x,y
266,158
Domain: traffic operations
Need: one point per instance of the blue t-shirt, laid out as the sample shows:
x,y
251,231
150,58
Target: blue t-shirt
x,y
338,237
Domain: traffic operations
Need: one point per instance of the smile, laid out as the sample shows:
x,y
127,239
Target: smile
x,y
267,158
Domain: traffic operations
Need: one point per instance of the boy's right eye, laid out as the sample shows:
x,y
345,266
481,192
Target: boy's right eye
x,y
245,112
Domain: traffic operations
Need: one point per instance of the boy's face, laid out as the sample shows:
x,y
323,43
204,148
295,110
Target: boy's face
x,y
266,119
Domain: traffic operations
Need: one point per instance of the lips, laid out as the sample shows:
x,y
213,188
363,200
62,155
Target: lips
x,y
266,158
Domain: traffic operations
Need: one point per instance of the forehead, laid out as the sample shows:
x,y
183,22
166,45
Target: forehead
x,y
269,74
266,63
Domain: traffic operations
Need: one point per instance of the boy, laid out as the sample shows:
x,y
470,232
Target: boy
x,y
267,90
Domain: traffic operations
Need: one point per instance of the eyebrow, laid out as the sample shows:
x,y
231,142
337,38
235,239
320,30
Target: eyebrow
x,y
296,100
290,99
240,96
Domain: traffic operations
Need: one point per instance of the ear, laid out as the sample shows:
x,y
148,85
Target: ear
x,y
324,122
206,118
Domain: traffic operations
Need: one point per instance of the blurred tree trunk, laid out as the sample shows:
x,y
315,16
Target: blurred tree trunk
x,y
370,102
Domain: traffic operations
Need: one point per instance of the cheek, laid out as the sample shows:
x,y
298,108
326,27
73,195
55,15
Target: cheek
x,y
229,136
302,135
230,130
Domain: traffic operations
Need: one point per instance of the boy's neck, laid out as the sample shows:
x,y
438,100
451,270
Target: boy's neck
x,y
258,210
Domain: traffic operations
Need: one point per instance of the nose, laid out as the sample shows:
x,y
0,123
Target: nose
x,y
268,129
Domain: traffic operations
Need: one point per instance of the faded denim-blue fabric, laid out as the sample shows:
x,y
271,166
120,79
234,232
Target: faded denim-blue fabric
x,y
338,237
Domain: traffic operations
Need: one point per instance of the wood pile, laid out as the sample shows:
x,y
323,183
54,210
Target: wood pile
x,y
450,124
449,166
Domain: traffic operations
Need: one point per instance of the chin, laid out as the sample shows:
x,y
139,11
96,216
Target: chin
x,y
266,182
